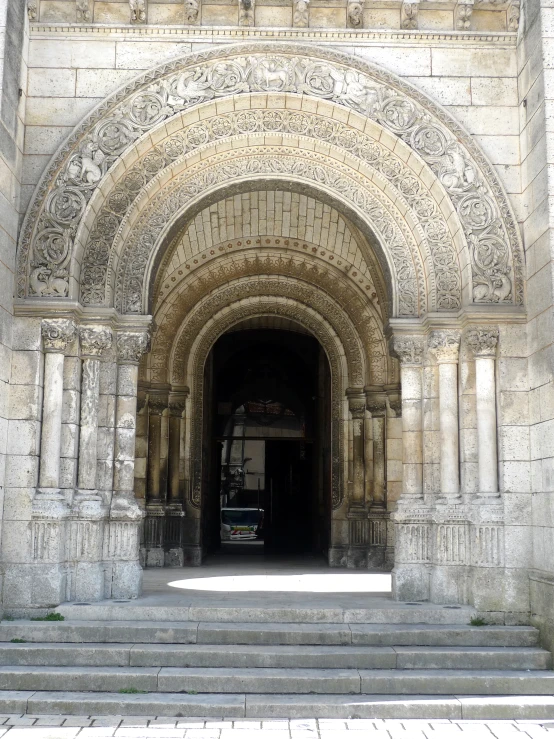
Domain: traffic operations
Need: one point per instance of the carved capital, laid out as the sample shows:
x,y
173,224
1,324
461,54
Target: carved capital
x,y
176,407
445,345
131,345
356,402
483,341
95,340
138,11
407,349
57,334
409,14
157,404
355,14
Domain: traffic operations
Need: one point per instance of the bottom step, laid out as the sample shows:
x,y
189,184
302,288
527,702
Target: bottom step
x,y
213,705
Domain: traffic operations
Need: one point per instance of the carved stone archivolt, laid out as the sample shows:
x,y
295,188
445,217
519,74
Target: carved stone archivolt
x,y
147,230
234,313
246,275
48,236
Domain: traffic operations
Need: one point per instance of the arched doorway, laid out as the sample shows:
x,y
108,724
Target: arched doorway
x,y
381,220
270,488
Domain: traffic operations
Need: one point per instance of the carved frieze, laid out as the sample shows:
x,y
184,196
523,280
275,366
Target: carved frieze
x,y
483,341
95,340
467,178
57,334
131,345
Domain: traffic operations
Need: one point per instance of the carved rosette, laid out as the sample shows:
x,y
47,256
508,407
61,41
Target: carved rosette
x,y
57,334
483,341
131,345
407,349
445,345
95,340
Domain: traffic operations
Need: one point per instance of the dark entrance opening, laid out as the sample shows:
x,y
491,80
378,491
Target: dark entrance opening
x,y
267,444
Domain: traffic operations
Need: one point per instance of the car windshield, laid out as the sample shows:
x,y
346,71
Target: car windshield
x,y
240,517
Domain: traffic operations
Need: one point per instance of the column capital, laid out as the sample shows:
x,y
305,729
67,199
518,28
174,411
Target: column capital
x,y
482,340
177,406
356,402
445,345
376,403
95,340
131,345
57,334
157,404
407,349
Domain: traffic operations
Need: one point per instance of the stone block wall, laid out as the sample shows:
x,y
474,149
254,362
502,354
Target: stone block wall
x,y
535,67
19,425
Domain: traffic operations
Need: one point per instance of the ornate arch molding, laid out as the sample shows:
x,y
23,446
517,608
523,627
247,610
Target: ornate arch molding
x,y
80,165
263,305
164,211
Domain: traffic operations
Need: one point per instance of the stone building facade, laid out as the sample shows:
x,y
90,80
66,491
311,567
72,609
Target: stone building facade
x,y
373,174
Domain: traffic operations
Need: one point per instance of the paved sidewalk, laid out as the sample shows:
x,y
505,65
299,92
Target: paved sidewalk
x,y
100,727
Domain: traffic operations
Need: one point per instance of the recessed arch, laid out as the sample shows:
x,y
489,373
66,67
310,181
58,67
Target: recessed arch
x,y
372,95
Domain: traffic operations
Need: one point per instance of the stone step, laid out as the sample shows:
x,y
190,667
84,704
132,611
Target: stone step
x,y
271,681
140,632
397,613
274,656
508,707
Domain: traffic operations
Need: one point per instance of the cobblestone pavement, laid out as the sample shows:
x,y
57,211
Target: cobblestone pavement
x,y
99,727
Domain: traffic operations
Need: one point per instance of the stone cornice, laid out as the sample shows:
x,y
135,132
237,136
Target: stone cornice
x,y
225,34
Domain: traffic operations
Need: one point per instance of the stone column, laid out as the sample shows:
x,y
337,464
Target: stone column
x,y
482,341
156,406
122,544
176,407
409,351
376,404
445,346
412,517
89,509
50,508
357,407
57,334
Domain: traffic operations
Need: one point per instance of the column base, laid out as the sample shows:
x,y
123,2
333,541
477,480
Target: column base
x,y
449,584
89,581
174,557
34,586
126,580
192,556
410,582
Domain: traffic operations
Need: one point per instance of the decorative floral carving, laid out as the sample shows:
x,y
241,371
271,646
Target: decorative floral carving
x,y
409,14
138,11
483,340
84,14
407,349
57,334
131,345
95,340
355,14
32,11
246,12
462,14
461,168
300,17
514,12
445,345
